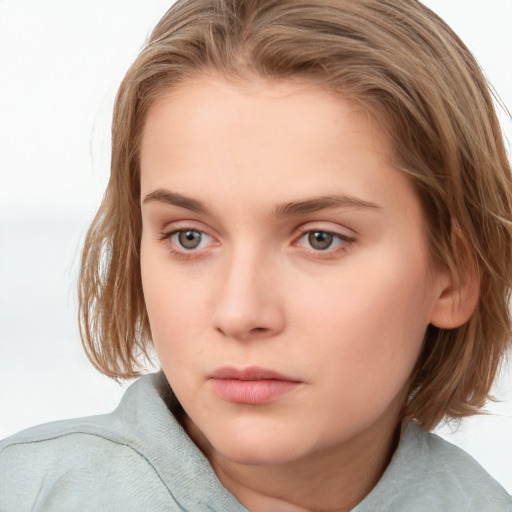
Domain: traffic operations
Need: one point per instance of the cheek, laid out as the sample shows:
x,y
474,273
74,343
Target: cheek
x,y
175,326
171,304
367,328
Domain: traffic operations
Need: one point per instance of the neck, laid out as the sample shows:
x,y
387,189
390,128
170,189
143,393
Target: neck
x,y
333,480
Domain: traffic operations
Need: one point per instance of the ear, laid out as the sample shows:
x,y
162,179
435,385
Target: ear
x,y
458,294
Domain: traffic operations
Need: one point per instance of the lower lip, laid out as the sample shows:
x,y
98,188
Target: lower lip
x,y
252,392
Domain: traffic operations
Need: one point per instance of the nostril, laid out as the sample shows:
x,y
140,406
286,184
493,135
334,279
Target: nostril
x,y
258,329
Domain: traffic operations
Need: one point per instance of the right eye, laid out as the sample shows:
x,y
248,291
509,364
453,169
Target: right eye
x,y
189,239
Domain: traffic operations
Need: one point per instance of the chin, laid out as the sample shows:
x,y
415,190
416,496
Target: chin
x,y
260,446
254,453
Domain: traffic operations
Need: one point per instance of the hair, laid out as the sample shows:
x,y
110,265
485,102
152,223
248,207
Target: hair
x,y
403,64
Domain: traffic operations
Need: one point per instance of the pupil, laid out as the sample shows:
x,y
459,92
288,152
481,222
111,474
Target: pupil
x,y
320,240
189,239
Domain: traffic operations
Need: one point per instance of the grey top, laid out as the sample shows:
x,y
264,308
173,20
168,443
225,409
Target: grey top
x,y
138,458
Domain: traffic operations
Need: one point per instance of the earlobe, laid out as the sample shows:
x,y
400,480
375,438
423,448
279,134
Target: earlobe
x,y
457,299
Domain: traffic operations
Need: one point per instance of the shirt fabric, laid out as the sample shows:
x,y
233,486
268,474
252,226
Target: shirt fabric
x,y
138,458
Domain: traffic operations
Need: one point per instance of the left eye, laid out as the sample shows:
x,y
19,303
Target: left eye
x,y
190,239
322,240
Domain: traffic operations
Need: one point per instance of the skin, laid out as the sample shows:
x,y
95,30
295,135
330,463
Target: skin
x,y
226,160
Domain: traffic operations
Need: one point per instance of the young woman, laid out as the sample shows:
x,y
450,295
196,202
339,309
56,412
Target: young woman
x,y
309,219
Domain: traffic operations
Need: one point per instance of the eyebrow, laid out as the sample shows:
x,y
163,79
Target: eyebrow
x,y
323,203
281,210
172,198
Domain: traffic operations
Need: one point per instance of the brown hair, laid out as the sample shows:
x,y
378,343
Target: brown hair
x,y
405,66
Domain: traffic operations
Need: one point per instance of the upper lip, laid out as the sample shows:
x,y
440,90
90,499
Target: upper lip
x,y
249,373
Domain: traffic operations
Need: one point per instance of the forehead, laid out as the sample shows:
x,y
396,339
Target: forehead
x,y
210,101
289,117
277,141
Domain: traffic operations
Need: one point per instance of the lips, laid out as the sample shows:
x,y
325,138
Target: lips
x,y
252,386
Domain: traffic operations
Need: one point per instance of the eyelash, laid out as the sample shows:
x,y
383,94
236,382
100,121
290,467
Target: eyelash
x,y
344,242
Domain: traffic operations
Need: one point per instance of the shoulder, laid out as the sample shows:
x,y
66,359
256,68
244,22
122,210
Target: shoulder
x,y
59,465
457,475
72,462
428,473
137,458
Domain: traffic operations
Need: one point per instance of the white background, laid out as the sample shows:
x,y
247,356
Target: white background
x,y
61,62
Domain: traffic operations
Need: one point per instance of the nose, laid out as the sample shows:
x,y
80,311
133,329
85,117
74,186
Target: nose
x,y
248,303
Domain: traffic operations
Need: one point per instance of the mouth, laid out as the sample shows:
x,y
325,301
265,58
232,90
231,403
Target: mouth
x,y
251,386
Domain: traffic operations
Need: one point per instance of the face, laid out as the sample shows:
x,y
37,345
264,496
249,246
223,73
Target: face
x,y
284,266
